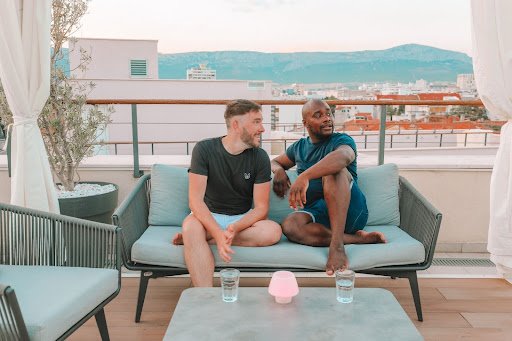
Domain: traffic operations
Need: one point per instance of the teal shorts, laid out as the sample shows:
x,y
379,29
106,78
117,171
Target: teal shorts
x,y
357,214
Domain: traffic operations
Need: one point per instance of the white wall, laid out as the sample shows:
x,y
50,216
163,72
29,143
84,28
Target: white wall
x,y
174,122
110,58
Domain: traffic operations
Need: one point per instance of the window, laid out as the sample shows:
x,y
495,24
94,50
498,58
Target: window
x,y
139,68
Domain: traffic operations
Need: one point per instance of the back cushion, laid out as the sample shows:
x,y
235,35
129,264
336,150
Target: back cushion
x,y
280,207
380,186
169,195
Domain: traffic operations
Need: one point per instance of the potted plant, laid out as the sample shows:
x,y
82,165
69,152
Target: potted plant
x,y
69,126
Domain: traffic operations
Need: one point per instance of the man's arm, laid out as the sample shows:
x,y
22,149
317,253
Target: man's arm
x,y
332,163
281,182
261,197
196,191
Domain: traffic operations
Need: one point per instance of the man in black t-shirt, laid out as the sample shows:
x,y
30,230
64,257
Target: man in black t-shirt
x,y
226,176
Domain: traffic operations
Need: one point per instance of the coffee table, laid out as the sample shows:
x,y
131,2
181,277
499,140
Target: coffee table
x,y
314,314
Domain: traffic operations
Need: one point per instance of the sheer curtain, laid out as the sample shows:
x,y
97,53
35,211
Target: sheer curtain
x,y
492,64
25,76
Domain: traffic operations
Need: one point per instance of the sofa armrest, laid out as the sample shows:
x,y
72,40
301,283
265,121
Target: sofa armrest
x,y
132,216
419,219
13,326
32,237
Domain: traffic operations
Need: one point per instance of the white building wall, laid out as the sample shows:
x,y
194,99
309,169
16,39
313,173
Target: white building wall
x,y
110,58
174,123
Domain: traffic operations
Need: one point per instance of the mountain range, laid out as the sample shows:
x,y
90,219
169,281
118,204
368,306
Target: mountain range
x,y
404,63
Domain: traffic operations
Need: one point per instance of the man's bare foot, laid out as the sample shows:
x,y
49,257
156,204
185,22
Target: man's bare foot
x,y
337,259
371,237
178,239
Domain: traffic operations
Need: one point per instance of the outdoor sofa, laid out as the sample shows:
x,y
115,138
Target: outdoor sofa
x,y
153,213
56,272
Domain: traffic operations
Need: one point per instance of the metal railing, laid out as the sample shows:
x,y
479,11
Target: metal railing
x,y
382,127
382,103
390,141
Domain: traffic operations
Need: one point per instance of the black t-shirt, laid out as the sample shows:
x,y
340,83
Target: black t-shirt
x,y
231,178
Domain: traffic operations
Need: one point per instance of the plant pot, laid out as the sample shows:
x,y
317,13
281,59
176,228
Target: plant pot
x,y
97,207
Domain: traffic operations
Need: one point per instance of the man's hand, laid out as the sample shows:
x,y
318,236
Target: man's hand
x,y
281,183
223,248
298,190
230,234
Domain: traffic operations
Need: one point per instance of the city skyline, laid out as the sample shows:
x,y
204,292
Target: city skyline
x,y
282,26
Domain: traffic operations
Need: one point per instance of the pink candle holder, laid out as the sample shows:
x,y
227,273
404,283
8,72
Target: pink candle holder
x,y
283,286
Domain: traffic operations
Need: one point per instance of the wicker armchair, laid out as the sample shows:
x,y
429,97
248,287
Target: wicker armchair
x,y
47,250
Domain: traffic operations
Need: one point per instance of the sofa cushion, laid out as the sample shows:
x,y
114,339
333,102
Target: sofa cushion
x,y
169,195
280,207
155,247
53,299
380,186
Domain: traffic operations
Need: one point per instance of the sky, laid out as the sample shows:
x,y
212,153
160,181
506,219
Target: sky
x,y
282,25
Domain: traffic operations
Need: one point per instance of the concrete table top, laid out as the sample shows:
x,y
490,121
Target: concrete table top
x,y
314,314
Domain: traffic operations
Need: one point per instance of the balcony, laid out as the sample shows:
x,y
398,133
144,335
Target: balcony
x,y
458,301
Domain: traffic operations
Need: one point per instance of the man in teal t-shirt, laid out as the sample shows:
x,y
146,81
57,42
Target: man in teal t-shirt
x,y
330,209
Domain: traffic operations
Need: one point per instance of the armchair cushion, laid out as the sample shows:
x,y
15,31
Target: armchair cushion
x,y
53,299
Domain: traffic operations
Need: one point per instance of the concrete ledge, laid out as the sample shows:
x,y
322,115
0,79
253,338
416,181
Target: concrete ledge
x,y
462,247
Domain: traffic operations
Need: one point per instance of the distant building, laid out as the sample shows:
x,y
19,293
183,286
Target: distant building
x,y
420,112
201,73
466,81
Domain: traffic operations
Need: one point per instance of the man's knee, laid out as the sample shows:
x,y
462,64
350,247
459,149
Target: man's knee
x,y
270,232
335,184
192,226
331,180
291,228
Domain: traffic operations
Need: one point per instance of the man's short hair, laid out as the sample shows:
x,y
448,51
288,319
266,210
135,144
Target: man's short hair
x,y
239,107
306,108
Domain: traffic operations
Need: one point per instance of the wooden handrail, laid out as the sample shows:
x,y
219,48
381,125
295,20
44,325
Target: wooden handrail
x,y
282,102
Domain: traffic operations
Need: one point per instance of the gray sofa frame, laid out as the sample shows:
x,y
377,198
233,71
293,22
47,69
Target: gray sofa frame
x,y
418,218
86,244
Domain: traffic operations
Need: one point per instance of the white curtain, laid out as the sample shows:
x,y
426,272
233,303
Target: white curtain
x,y
25,76
492,64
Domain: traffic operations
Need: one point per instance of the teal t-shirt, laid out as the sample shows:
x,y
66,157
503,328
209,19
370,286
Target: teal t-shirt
x,y
305,154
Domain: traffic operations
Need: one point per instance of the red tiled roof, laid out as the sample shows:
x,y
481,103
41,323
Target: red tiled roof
x,y
437,96
398,97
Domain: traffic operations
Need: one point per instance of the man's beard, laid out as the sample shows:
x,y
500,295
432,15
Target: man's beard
x,y
248,139
321,134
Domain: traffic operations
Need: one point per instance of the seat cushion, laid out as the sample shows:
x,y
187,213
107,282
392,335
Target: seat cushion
x,y
169,195
155,247
53,299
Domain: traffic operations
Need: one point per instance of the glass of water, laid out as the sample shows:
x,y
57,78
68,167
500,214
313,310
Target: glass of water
x,y
229,279
345,285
